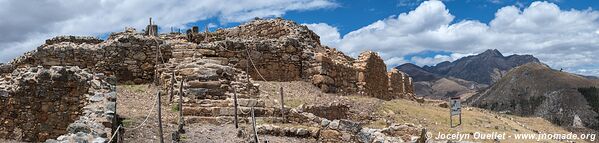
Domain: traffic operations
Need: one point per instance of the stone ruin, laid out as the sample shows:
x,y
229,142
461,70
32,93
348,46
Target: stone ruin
x,y
211,67
57,104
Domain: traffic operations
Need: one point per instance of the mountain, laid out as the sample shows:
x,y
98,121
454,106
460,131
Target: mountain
x,y
534,89
417,73
465,75
484,68
446,87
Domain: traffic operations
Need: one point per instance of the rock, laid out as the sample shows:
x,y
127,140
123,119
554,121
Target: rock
x,y
347,125
96,98
334,124
325,122
205,84
302,132
329,134
78,127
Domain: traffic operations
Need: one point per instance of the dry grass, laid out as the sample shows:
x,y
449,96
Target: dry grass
x,y
436,119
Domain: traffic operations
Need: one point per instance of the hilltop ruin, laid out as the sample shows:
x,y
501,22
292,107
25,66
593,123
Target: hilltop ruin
x,y
211,66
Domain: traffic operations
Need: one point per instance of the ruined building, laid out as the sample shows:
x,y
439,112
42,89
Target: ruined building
x,y
77,75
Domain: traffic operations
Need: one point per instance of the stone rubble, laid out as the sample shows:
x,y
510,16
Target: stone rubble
x,y
324,130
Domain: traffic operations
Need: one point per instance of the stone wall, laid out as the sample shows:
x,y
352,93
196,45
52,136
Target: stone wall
x,y
333,72
130,56
400,84
372,76
43,103
333,77
73,39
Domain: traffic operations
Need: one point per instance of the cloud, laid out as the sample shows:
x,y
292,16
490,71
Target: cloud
x,y
421,61
25,24
329,35
560,38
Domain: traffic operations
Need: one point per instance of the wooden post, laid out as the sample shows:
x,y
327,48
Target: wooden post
x,y
282,105
235,104
170,98
254,126
159,119
247,69
181,120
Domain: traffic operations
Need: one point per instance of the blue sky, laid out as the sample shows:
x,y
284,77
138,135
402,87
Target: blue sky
x,y
562,34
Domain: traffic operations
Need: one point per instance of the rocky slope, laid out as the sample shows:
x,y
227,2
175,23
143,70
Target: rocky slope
x,y
536,90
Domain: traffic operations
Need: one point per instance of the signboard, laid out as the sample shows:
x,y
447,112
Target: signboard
x,y
455,109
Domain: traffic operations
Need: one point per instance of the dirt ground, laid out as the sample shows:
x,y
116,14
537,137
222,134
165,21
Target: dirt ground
x,y
135,102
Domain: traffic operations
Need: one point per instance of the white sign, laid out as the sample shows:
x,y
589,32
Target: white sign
x,y
456,107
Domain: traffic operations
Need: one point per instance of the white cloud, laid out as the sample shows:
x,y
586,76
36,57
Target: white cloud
x,y
421,61
25,24
329,35
560,38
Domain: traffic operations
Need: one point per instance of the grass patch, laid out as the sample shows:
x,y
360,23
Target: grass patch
x,y
436,119
175,107
135,88
127,122
183,137
378,124
293,102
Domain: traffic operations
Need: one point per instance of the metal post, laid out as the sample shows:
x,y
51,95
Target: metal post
x,y
159,119
170,99
282,105
460,118
254,126
181,120
235,104
450,115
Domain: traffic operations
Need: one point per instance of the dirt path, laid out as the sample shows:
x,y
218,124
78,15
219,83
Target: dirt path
x,y
135,102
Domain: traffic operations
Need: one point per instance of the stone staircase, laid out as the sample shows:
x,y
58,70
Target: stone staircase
x,y
209,86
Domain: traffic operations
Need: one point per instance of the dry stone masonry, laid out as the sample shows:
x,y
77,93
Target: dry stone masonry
x,y
45,103
128,55
61,90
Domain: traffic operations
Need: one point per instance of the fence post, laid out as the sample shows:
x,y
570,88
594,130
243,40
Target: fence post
x,y
282,105
181,120
159,119
254,126
235,104
247,69
170,99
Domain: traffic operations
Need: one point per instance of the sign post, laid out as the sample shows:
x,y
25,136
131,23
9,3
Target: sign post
x,y
455,109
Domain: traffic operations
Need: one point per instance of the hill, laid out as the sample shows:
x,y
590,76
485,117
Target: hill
x,y
536,90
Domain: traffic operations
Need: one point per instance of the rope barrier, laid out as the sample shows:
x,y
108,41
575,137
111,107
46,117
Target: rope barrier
x,y
114,134
244,112
147,116
253,65
259,74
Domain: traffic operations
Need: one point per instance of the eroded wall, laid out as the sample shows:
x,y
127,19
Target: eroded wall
x,y
43,103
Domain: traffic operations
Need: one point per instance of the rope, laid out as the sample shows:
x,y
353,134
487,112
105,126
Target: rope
x,y
147,116
244,112
253,65
114,134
